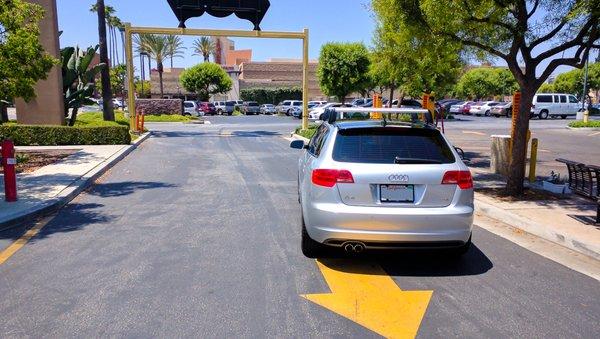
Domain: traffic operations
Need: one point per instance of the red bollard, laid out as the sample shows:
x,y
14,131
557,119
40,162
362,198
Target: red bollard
x,y
10,177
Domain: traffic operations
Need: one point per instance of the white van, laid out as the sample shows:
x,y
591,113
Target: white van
x,y
554,105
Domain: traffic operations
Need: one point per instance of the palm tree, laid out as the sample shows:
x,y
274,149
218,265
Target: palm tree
x,y
175,46
107,108
158,48
204,47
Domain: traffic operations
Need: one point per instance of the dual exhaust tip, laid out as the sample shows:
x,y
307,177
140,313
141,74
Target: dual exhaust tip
x,y
353,247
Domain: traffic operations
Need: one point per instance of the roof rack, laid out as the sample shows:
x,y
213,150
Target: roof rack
x,y
331,115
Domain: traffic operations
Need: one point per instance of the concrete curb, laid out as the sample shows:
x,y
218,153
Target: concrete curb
x,y
583,128
72,191
546,232
299,137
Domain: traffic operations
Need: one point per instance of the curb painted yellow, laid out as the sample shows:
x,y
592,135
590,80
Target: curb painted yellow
x,y
365,294
22,241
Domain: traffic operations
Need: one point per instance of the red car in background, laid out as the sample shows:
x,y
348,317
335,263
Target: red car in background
x,y
208,108
466,109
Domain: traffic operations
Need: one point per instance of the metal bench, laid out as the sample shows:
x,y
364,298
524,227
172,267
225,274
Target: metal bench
x,y
585,181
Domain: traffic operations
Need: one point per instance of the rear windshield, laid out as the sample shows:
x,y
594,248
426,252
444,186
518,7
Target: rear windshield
x,y
388,145
230,103
253,104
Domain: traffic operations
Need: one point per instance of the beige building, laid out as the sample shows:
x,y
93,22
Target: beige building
x,y
280,73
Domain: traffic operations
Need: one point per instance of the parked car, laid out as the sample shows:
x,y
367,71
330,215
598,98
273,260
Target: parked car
x,y
208,108
286,106
192,108
446,104
361,102
360,188
482,107
594,109
296,112
220,106
315,103
407,103
457,107
503,109
316,113
267,109
555,105
250,108
230,106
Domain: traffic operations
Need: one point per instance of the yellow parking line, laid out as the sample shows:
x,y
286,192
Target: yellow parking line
x,y
22,241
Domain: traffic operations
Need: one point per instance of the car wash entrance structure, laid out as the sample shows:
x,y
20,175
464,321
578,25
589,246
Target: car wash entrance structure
x,y
252,10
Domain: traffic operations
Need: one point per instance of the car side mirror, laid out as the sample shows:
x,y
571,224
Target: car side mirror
x,y
298,144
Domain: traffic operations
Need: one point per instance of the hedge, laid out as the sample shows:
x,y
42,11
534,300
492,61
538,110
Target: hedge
x,y
30,135
271,95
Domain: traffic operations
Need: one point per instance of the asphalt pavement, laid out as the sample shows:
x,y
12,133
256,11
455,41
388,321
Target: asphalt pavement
x,y
197,234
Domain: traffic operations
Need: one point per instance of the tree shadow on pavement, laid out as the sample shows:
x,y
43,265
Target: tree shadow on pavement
x,y
71,218
410,263
117,189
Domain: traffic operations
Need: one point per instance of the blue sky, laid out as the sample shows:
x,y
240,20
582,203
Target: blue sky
x,y
327,20
352,23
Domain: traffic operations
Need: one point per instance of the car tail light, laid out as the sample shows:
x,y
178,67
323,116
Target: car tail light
x,y
330,177
463,179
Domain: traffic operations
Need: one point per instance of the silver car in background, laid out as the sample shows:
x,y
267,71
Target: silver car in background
x,y
370,185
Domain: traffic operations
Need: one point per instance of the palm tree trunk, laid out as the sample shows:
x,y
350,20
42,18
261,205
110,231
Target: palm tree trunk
x,y
107,109
159,66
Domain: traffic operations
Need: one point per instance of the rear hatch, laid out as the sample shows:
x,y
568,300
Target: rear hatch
x,y
394,166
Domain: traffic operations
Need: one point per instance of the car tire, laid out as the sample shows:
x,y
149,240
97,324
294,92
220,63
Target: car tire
x,y
310,248
462,250
509,114
563,117
487,113
543,115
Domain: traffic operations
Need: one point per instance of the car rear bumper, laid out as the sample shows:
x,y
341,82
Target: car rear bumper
x,y
336,223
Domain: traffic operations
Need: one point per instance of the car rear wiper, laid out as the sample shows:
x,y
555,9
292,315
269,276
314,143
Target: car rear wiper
x,y
399,160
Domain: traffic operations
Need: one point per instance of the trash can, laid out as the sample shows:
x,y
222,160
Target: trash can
x,y
500,154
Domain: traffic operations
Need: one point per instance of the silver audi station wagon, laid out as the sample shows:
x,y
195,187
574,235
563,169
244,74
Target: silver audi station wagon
x,y
378,184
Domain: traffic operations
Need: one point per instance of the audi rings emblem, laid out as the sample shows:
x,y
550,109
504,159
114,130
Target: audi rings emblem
x,y
398,178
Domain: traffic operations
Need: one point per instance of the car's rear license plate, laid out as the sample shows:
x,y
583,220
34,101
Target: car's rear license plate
x,y
397,193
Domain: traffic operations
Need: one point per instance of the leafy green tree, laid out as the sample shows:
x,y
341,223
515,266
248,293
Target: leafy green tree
x,y
533,37
174,47
343,69
569,82
118,75
206,79
142,88
23,61
486,82
546,88
409,61
204,47
157,47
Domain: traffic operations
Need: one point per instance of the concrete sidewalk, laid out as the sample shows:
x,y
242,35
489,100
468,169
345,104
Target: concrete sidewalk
x,y
568,222
53,186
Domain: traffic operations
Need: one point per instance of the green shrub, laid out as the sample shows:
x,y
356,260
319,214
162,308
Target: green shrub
x,y
580,124
271,95
167,118
30,135
95,119
307,133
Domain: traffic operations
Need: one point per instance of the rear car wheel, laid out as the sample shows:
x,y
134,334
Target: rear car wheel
x,y
563,116
462,250
487,113
310,248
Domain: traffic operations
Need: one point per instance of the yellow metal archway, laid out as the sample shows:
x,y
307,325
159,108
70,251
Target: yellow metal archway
x,y
129,31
